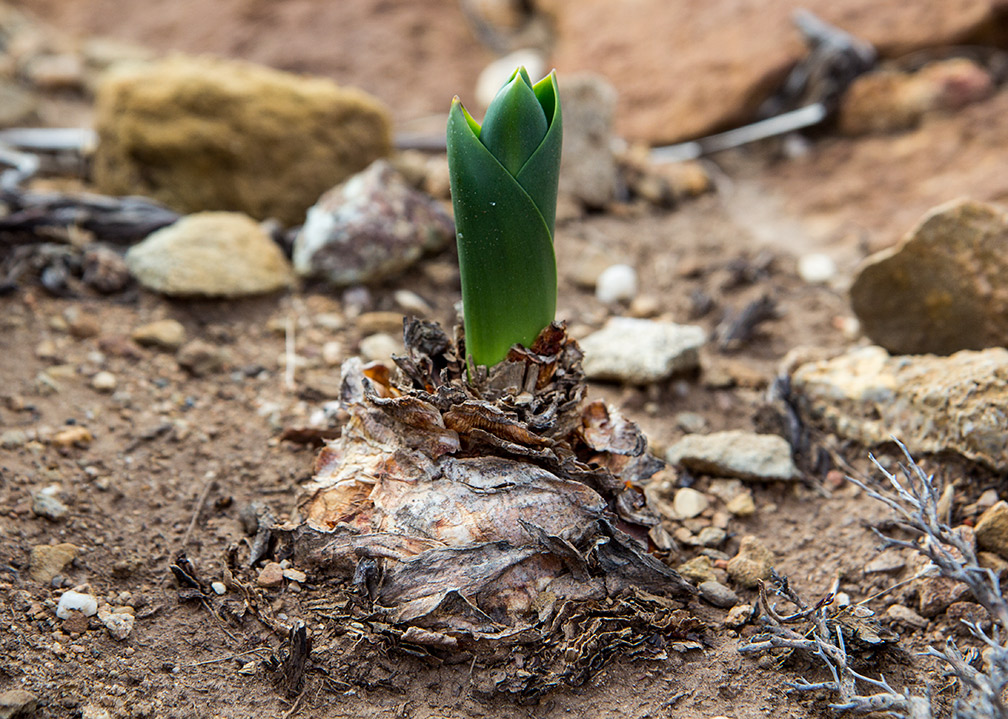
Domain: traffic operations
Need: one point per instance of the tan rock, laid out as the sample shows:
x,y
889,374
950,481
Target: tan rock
x,y
212,134
925,401
992,529
48,560
890,100
942,288
271,575
163,334
210,254
752,563
698,570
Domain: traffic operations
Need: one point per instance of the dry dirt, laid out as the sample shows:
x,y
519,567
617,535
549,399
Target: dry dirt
x,y
173,451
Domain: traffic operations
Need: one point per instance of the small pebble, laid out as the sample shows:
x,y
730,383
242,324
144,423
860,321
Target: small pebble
x,y
379,347
689,503
162,334
816,268
75,436
332,353
295,575
752,563
617,283
711,537
13,438
718,594
104,381
75,623
72,601
218,587
742,505
412,303
698,570
45,503
738,615
271,575
906,617
118,624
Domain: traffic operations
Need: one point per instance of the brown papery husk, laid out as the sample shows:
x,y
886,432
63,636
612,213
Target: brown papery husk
x,y
492,508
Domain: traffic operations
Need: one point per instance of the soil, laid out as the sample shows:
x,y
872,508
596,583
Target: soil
x,y
175,458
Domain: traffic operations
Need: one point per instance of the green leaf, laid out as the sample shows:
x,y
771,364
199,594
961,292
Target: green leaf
x,y
540,175
505,245
514,125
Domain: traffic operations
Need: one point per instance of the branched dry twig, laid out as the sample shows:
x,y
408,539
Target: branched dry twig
x,y
914,497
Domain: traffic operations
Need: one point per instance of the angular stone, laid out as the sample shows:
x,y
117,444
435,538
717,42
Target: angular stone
x,y
888,562
935,594
992,529
213,134
698,570
641,351
201,358
735,453
906,616
371,227
932,404
48,560
210,254
118,624
271,575
752,563
942,288
741,505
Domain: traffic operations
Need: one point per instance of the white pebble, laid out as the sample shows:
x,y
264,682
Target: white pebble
x,y
412,303
816,268
218,587
494,75
295,575
689,503
76,601
617,283
104,381
379,347
332,353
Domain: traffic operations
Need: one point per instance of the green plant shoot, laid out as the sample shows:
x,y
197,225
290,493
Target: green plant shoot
x,y
504,177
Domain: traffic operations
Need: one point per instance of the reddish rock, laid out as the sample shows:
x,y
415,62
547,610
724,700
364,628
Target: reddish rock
x,y
688,69
937,593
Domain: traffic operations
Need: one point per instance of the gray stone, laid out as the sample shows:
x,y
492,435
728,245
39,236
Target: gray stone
x,y
718,594
641,351
888,562
942,288
371,227
210,254
588,171
711,537
18,106
932,404
13,438
906,616
46,503
735,453
201,358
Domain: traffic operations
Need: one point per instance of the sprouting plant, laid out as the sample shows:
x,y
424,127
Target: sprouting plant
x,y
504,177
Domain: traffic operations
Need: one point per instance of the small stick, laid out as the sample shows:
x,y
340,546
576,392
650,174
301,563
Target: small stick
x,y
290,355
196,511
297,703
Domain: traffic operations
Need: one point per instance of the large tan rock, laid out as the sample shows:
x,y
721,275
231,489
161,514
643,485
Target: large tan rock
x,y
685,69
210,134
942,289
932,404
